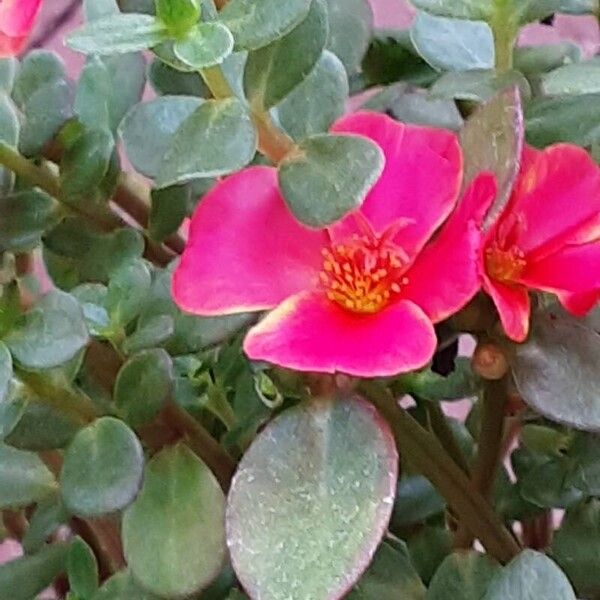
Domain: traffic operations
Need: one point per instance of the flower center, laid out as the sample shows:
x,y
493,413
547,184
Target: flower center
x,y
364,274
504,265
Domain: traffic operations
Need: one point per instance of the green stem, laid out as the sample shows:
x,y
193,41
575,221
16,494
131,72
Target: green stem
x,y
504,24
272,141
489,448
73,404
426,454
439,425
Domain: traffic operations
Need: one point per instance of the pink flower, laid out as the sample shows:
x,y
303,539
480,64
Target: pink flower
x,y
547,238
17,18
360,297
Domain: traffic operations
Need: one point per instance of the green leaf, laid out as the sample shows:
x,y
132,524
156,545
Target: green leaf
x,y
328,176
556,370
181,511
463,576
24,479
478,85
24,217
153,332
217,139
574,119
318,101
149,128
169,208
391,571
275,70
535,10
107,88
52,333
24,578
256,23
416,107
460,9
10,128
576,547
82,569
6,372
122,587
9,67
492,140
48,516
103,468
392,57
416,501
118,34
533,60
85,164
167,81
178,15
350,28
334,492
144,385
580,78
207,45
453,44
127,289
428,550
530,576
38,68
96,9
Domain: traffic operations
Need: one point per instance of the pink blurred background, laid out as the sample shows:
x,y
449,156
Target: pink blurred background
x,y
56,20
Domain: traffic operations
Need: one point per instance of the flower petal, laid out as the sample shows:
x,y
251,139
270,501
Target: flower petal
x,y
245,251
574,269
11,46
17,17
513,305
420,181
579,304
308,332
445,275
557,197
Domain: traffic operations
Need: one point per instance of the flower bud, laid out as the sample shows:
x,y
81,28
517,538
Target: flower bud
x,y
489,361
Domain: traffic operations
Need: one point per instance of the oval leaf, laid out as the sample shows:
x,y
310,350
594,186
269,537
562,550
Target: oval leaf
x,y
24,478
492,140
459,9
218,138
319,482
275,70
180,511
53,332
118,34
328,176
207,45
453,44
581,78
256,23
6,371
530,576
103,468
556,370
148,129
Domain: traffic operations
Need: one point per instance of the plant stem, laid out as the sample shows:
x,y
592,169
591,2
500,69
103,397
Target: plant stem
x,y
489,448
426,454
272,141
72,403
439,426
504,24
202,443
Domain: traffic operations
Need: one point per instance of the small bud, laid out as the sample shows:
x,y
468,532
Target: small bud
x,y
489,361
178,15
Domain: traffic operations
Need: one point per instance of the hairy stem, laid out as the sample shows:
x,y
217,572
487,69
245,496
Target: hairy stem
x,y
272,141
422,449
489,448
505,26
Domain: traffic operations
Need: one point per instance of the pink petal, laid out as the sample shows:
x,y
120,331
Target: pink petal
x,y
573,269
513,306
557,199
17,17
445,276
11,46
420,181
245,251
308,332
579,304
